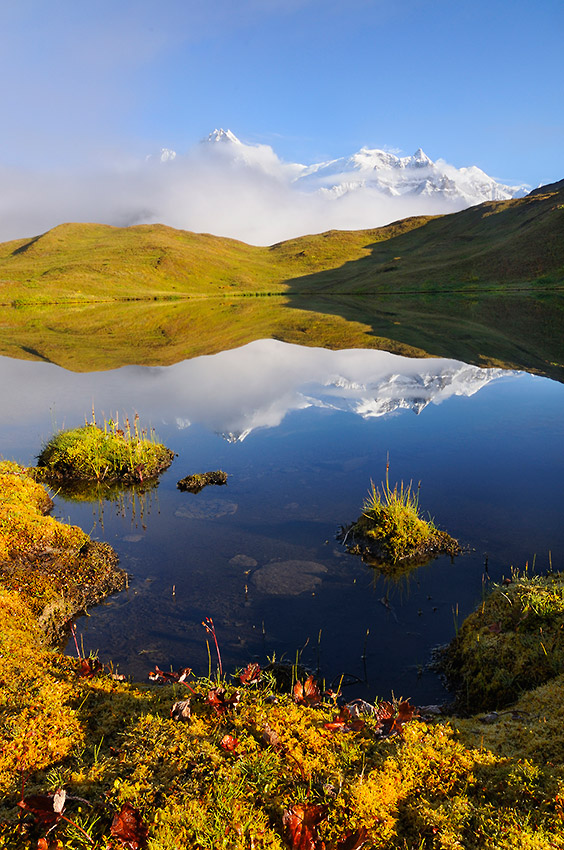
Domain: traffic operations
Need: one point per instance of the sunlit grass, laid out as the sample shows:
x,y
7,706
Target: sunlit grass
x,y
391,517
105,453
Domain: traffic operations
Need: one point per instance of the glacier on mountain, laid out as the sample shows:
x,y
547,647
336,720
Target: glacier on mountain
x,y
373,169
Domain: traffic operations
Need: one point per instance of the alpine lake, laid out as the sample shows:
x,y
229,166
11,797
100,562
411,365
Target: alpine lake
x,y
301,432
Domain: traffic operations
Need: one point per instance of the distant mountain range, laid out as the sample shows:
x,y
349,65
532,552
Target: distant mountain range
x,y
369,169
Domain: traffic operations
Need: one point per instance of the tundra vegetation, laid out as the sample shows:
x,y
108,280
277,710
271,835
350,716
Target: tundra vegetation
x,y
108,453
391,531
196,482
88,759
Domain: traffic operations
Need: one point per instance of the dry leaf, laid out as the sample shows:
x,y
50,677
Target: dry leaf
x,y
300,824
128,827
250,675
181,710
307,693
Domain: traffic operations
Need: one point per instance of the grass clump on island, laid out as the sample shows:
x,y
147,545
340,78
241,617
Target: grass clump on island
x,y
513,642
391,529
108,453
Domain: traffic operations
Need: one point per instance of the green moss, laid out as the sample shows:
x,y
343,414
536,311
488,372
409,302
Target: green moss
x,y
513,642
196,482
104,454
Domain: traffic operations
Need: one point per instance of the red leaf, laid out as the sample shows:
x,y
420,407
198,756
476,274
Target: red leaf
x,y
45,808
346,721
128,827
405,712
250,675
221,703
307,693
392,719
89,666
229,743
300,823
384,711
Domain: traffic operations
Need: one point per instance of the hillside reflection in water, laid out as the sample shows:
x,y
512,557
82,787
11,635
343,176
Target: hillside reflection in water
x,y
301,433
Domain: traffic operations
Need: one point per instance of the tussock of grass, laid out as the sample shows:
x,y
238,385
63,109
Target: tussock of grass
x,y
104,454
392,530
513,642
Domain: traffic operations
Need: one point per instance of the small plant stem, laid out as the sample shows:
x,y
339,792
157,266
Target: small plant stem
x,y
73,633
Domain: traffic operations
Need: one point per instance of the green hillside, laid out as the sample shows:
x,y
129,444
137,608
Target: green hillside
x,y
517,244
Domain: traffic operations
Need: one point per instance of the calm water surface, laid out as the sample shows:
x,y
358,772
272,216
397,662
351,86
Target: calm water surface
x,y
301,433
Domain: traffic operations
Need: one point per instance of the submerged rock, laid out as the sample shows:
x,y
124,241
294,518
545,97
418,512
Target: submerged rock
x,y
289,578
209,509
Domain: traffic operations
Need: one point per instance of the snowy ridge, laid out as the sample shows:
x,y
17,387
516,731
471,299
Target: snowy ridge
x,y
376,170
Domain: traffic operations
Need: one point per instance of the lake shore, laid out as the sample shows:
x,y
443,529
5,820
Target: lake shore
x,y
243,763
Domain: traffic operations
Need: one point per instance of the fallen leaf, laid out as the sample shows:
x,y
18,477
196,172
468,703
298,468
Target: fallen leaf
x,y
42,807
181,710
307,693
345,721
391,719
220,702
300,823
250,675
89,666
128,827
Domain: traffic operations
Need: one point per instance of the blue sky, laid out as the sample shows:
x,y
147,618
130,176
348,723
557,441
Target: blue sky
x,y
473,82
476,83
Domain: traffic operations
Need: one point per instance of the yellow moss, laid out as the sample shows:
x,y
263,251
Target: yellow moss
x,y
56,567
38,725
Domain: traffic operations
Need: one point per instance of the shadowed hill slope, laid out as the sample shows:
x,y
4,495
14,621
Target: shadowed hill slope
x,y
509,243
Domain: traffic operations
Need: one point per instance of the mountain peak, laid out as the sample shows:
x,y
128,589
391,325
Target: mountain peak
x,y
223,136
421,158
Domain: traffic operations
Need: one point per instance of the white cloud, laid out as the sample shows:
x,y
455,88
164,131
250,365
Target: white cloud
x,y
226,188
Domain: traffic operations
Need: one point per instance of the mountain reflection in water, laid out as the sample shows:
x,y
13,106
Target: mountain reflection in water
x,y
235,392
301,432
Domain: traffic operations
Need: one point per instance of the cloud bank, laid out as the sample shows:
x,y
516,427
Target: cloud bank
x,y
246,192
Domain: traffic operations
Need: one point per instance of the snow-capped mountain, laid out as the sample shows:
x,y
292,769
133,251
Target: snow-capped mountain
x,y
377,170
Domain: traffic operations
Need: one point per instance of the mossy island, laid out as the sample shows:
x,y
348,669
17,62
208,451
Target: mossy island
x,y
196,482
105,453
392,534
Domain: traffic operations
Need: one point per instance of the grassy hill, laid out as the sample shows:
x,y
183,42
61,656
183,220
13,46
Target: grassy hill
x,y
514,244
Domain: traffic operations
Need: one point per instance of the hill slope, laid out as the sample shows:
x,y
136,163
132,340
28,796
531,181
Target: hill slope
x,y
515,243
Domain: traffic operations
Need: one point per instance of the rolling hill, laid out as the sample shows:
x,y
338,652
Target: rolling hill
x,y
515,244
